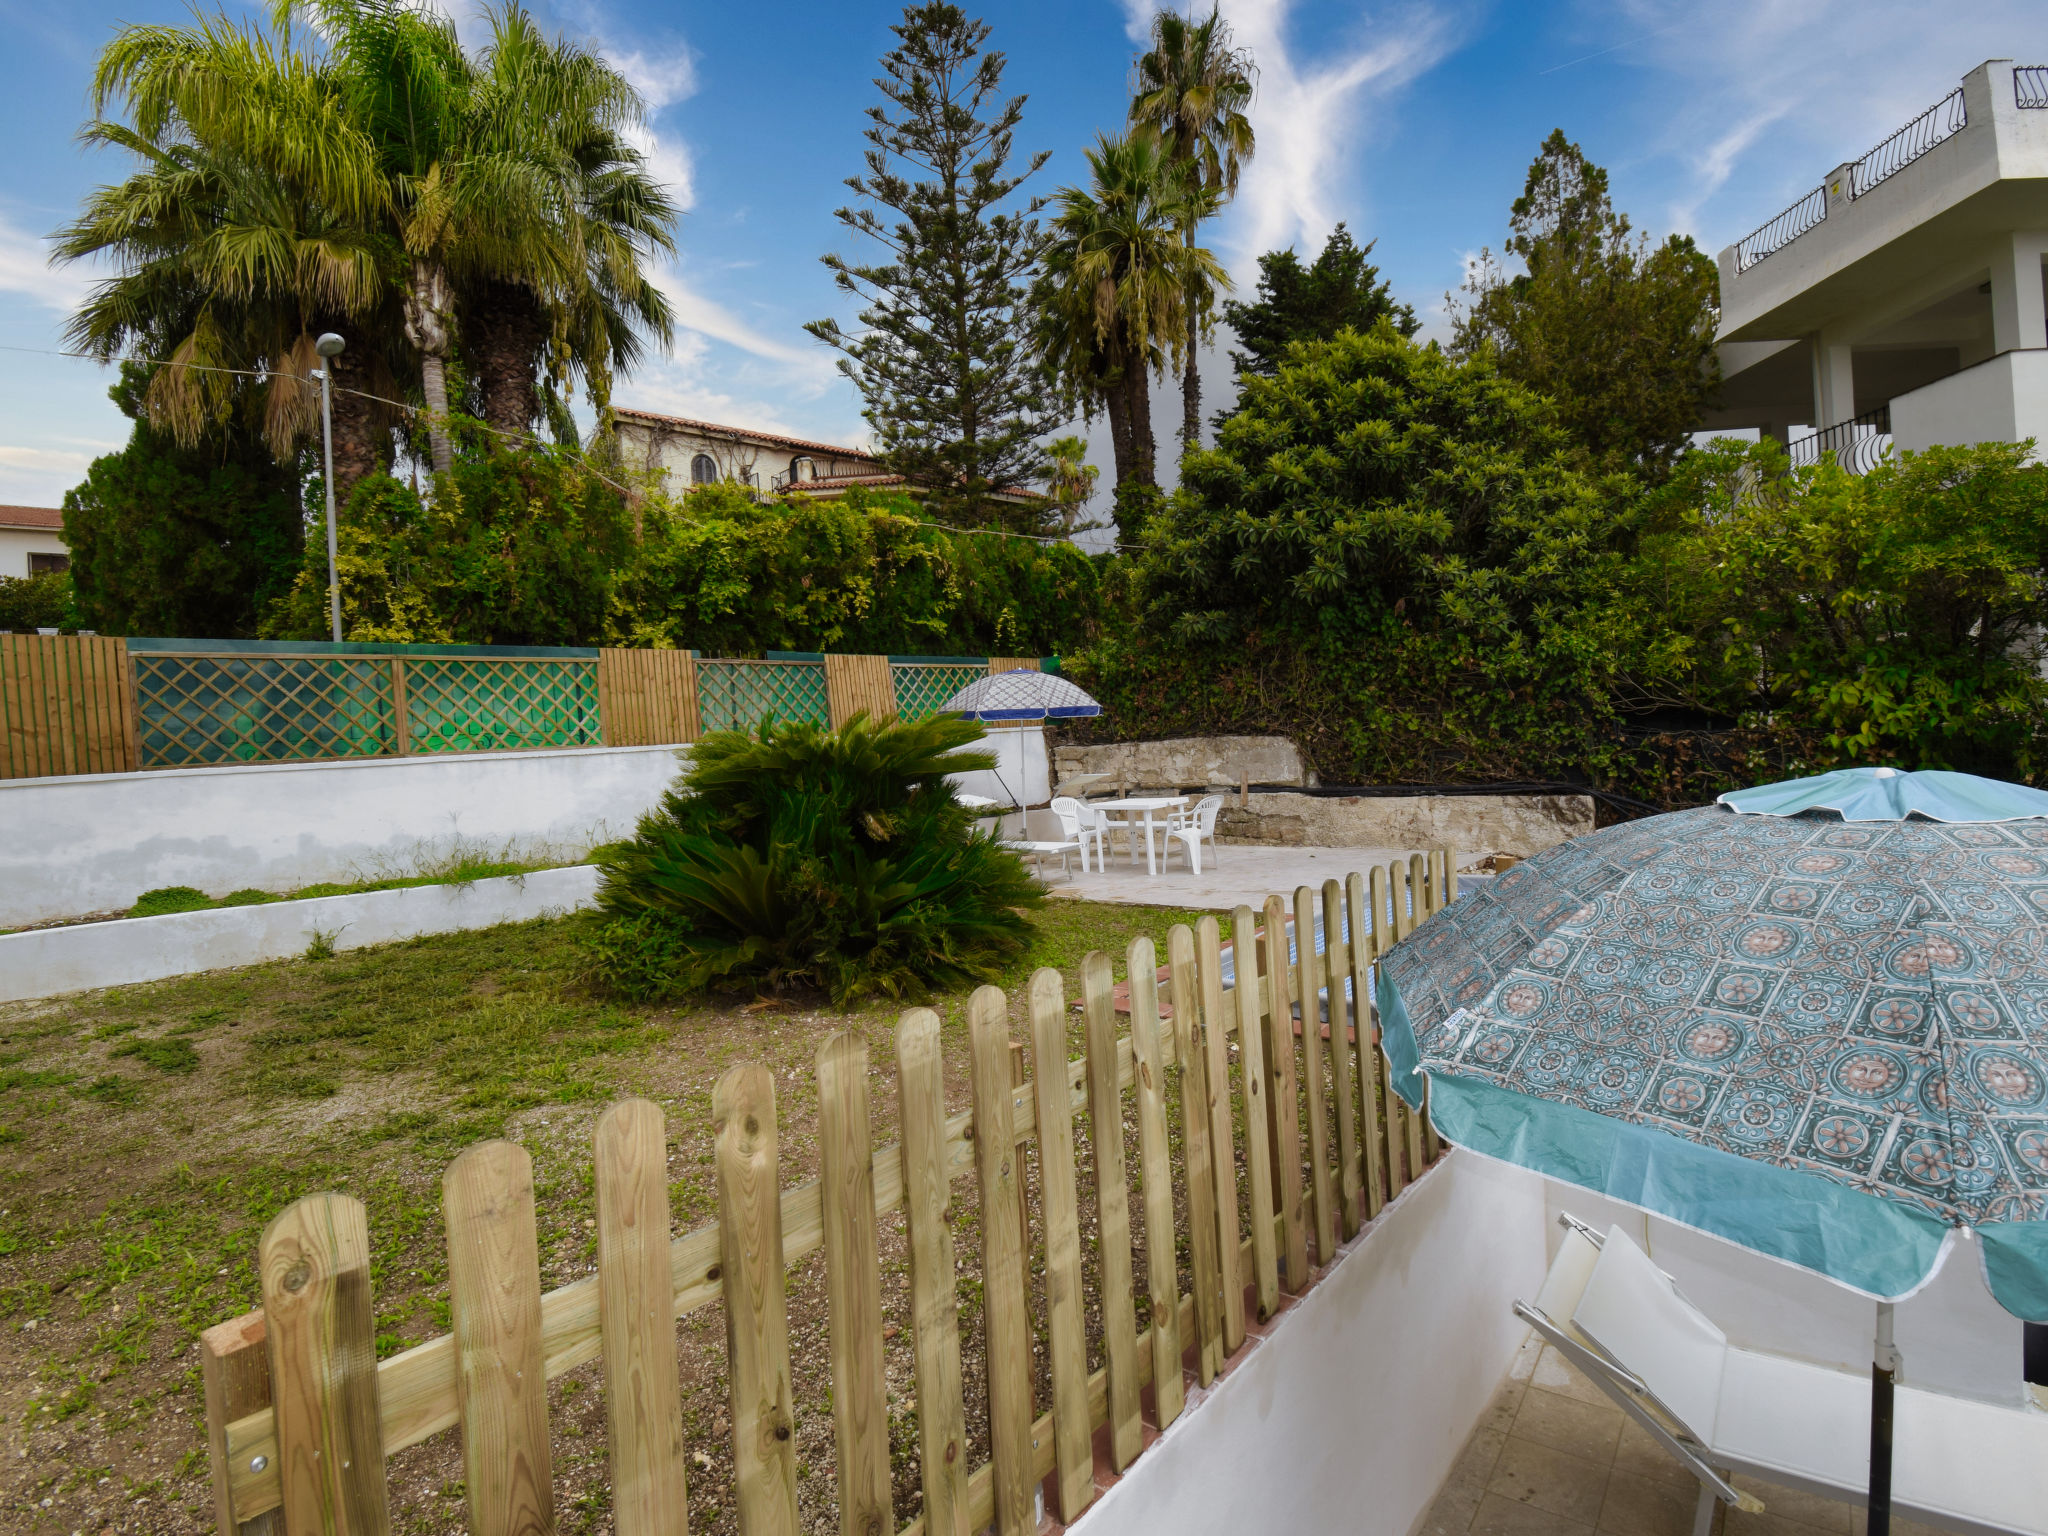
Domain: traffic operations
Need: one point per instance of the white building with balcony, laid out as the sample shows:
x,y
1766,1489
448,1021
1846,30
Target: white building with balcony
x,y
1903,300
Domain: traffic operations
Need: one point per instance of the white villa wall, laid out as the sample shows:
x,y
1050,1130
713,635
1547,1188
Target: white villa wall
x,y
2002,400
1348,1415
1955,1338
17,544
48,962
94,842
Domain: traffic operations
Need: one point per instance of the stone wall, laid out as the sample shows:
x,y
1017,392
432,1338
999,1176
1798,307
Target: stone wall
x,y
1138,767
1472,825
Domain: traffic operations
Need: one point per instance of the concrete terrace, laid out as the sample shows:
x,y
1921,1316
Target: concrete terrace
x,y
1553,1456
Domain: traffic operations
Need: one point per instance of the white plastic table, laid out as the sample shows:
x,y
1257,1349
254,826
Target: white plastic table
x,y
1138,811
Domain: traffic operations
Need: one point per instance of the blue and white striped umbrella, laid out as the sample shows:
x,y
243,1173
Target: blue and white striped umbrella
x,y
1022,695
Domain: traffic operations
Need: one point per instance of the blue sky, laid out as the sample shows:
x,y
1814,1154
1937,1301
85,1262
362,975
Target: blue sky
x,y
1413,122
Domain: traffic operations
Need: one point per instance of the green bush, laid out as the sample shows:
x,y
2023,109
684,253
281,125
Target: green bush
x,y
1893,617
515,546
802,857
29,603
1391,557
170,898
248,897
725,574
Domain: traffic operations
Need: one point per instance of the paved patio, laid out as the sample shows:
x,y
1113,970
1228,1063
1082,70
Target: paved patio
x,y
1231,875
1553,1456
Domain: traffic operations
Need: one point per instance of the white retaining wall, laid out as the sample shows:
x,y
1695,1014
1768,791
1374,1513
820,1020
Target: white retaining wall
x,y
50,961
1348,1415
95,842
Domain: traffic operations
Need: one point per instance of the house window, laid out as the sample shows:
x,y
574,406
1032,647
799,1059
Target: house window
x,y
703,471
44,565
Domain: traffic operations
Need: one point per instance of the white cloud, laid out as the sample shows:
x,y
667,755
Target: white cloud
x,y
25,269
1758,99
1308,112
73,461
698,312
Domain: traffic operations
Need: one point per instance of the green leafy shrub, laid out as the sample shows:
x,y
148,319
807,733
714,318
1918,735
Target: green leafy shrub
x,y
36,602
1389,556
170,898
725,574
248,897
802,857
1893,617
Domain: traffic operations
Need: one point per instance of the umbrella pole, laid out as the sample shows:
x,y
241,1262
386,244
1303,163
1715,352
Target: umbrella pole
x,y
1883,1371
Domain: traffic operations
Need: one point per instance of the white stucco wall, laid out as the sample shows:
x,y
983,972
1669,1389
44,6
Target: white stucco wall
x,y
51,961
94,842
17,544
1348,1415
2002,400
1954,1336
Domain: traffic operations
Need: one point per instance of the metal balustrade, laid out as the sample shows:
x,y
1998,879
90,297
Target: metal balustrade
x,y
2030,85
1945,119
1782,230
1859,444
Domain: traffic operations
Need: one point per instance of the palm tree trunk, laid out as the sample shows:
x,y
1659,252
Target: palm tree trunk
x,y
1117,402
504,330
1191,394
362,443
1144,446
428,303
434,382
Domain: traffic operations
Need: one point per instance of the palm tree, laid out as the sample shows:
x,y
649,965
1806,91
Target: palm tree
x,y
1193,89
1115,275
255,222
1069,482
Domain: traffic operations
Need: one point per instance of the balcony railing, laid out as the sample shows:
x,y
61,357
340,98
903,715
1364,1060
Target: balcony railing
x,y
1943,120
1858,444
2030,85
1783,230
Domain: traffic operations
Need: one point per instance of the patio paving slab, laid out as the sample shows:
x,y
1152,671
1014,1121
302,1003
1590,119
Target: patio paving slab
x,y
1553,1456
1238,874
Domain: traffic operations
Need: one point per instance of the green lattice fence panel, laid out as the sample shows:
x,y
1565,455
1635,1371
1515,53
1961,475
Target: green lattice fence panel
x,y
922,686
735,695
197,710
501,706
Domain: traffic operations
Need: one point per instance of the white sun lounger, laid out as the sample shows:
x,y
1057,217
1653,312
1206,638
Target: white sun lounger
x,y
1957,1464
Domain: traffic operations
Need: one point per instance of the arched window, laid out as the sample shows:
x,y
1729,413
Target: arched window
x,y
703,471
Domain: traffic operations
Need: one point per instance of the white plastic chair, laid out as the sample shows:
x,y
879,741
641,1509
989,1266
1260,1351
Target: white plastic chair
x,y
1720,1409
1193,827
1078,826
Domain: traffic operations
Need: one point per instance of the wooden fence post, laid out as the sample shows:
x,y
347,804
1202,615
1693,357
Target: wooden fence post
x,y
1191,1051
934,1303
853,1288
1367,910
1308,986
1347,1054
1258,1136
636,1302
756,1319
1155,1168
1066,1315
401,710
1006,1307
1222,1120
234,1373
1112,1210
1284,1100
315,1262
494,1298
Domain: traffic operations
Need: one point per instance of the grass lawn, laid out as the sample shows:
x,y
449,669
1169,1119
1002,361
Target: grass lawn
x,y
148,1133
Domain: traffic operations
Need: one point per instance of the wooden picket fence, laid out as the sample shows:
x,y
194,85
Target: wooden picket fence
x,y
301,1415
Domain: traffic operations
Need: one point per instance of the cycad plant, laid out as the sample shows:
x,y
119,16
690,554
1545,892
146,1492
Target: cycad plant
x,y
798,857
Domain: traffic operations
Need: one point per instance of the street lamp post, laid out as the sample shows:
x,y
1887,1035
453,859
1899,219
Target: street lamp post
x,y
329,347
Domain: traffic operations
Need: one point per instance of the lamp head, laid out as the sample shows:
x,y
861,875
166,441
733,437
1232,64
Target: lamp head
x,y
329,345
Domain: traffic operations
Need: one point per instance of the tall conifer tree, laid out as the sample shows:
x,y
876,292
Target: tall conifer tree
x,y
944,359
